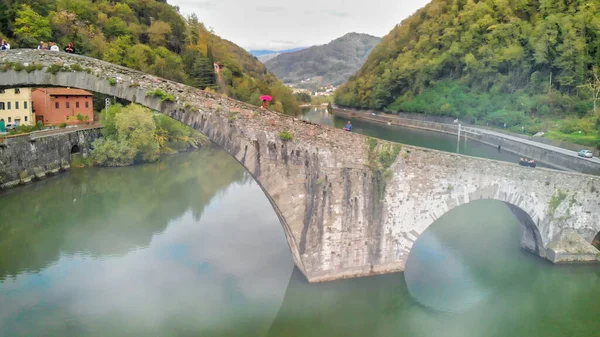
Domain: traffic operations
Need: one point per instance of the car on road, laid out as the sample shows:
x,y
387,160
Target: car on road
x,y
585,153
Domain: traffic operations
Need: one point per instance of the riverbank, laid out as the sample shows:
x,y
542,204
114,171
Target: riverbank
x,y
556,139
24,158
550,155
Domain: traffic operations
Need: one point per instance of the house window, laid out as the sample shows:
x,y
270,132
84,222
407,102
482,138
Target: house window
x,y
76,105
87,104
68,105
9,119
26,118
17,91
1,105
56,105
25,105
8,107
17,105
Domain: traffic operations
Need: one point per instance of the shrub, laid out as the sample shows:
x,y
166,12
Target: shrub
x,y
286,135
54,69
77,67
112,81
63,125
163,95
33,67
81,117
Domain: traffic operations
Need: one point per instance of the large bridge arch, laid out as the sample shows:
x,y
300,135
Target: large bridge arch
x,y
321,183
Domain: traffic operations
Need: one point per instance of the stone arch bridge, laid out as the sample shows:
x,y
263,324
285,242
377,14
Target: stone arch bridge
x,y
349,205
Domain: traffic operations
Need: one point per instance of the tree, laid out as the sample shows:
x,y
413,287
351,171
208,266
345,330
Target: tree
x,y
31,28
593,86
129,137
202,74
158,33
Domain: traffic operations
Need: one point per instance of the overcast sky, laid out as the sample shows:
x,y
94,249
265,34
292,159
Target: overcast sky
x,y
283,24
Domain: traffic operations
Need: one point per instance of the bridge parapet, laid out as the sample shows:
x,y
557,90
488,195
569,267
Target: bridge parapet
x,y
348,205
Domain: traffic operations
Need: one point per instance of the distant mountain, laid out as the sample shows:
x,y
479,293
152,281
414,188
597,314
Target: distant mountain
x,y
261,52
332,63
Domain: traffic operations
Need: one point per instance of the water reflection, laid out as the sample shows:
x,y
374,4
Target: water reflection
x,y
186,246
191,246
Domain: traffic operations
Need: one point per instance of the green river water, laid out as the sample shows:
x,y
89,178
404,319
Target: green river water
x,y
190,246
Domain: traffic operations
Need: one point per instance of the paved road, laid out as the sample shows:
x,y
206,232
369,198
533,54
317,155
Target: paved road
x,y
534,143
498,134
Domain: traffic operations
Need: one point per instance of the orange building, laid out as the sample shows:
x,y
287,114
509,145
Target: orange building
x,y
62,105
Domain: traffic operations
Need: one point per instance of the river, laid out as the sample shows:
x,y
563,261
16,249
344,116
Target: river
x,y
410,136
190,246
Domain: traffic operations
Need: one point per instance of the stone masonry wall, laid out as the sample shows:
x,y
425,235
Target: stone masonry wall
x,y
28,157
341,217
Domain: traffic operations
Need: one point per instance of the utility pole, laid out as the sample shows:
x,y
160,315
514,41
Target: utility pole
x,y
458,141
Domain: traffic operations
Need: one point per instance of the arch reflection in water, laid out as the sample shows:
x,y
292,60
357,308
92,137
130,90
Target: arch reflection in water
x,y
187,246
462,259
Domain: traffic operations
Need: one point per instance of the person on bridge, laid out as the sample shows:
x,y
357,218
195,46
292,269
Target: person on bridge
x,y
70,48
4,45
348,126
41,45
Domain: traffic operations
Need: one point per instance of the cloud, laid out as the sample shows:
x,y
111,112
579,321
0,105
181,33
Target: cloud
x,y
338,14
270,9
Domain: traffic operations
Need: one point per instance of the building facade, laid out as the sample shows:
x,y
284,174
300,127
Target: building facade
x,y
56,106
16,107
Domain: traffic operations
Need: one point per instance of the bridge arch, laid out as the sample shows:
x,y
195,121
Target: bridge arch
x,y
338,220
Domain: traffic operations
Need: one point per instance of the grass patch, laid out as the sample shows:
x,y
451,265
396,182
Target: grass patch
x,y
164,96
33,67
592,139
286,135
232,116
55,68
112,81
558,197
78,161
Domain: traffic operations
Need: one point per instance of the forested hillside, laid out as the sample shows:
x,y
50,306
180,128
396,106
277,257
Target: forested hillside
x,y
147,35
492,61
332,63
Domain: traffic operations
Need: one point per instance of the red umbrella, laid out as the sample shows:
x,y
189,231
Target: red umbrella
x,y
266,98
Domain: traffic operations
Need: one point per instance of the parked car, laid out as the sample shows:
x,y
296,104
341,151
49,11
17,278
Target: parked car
x,y
11,126
585,153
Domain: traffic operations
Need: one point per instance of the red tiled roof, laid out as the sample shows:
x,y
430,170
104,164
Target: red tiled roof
x,y
65,92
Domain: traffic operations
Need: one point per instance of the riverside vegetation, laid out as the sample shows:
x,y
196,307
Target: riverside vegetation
x,y
521,62
146,35
133,134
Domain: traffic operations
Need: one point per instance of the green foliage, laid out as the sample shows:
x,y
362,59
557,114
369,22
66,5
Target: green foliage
x,y
132,141
132,135
112,81
63,125
81,117
31,27
286,135
558,197
388,154
55,68
33,67
302,97
484,61
26,129
164,96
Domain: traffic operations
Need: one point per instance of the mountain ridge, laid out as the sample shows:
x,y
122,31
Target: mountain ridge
x,y
328,64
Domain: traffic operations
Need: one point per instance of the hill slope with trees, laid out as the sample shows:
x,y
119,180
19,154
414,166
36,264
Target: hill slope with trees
x,y
332,63
147,35
489,61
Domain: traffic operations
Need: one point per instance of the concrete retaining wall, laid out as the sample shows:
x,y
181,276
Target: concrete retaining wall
x,y
34,156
